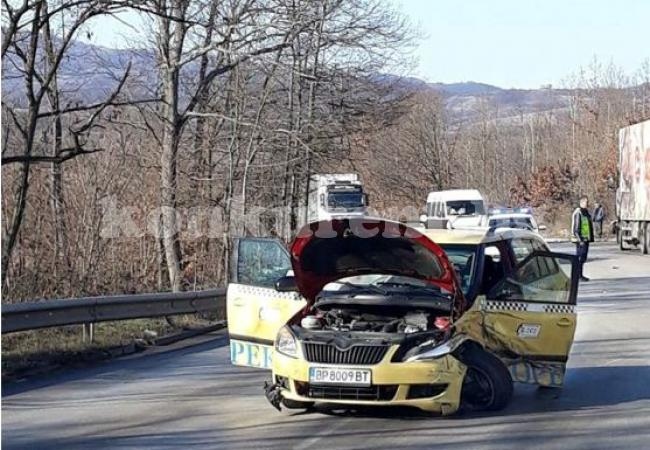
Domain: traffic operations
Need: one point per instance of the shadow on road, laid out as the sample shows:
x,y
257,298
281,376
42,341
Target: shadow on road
x,y
134,364
589,387
585,387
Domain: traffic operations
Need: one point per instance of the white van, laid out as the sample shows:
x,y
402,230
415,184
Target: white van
x,y
456,208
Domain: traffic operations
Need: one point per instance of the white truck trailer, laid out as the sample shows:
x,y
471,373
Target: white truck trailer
x,y
335,195
633,194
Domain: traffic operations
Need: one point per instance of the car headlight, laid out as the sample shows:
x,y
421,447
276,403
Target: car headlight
x,y
430,350
432,353
286,343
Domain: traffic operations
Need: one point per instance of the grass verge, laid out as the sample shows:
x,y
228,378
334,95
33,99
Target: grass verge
x,y
34,352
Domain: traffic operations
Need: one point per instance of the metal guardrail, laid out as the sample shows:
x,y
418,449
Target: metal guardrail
x,y
53,313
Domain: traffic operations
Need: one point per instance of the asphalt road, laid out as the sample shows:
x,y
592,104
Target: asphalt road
x,y
191,397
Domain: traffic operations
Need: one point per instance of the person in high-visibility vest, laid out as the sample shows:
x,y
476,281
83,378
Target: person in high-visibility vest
x,y
583,233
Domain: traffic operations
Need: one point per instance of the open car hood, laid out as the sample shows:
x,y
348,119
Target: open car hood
x,y
327,251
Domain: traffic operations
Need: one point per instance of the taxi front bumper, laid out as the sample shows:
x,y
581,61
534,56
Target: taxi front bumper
x,y
430,385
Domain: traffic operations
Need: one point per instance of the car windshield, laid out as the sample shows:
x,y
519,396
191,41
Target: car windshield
x,y
523,223
465,207
345,200
385,290
396,288
379,282
463,258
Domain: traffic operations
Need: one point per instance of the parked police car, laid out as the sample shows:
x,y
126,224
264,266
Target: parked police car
x,y
517,218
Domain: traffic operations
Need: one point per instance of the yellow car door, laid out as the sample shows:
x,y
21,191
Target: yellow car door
x,y
529,318
255,309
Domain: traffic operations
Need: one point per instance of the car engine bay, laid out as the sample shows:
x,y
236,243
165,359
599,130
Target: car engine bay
x,y
376,320
353,319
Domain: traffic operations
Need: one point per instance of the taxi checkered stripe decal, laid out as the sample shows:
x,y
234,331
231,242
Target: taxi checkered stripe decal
x,y
552,308
264,292
558,309
496,305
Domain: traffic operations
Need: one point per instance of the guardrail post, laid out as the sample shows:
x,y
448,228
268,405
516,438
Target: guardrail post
x,y
88,333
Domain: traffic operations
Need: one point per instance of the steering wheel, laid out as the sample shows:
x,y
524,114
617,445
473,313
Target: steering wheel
x,y
506,290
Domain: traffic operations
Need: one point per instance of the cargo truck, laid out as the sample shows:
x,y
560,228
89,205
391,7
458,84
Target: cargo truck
x,y
633,193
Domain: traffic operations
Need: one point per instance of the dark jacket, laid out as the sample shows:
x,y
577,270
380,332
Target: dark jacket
x,y
599,214
575,225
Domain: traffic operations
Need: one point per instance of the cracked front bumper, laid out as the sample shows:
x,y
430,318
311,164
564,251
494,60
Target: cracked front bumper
x,y
432,385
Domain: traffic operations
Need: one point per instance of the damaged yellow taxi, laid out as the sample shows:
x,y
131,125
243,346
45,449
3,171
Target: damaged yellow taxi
x,y
372,312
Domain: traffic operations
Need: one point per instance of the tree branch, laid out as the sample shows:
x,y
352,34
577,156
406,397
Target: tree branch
x,y
66,154
94,106
102,107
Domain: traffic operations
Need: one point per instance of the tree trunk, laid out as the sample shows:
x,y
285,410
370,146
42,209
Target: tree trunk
x,y
56,170
20,200
168,184
173,33
20,194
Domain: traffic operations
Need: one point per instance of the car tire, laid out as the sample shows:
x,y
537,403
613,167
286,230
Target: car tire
x,y
487,385
294,404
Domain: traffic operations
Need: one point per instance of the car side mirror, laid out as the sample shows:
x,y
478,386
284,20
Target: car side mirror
x,y
542,228
286,284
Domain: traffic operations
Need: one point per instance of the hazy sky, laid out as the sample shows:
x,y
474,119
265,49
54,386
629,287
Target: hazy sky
x,y
526,43
509,43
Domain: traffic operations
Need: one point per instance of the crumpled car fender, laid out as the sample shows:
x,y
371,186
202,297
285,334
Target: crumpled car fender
x,y
490,331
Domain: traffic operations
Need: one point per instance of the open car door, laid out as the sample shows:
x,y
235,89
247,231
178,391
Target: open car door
x,y
255,310
529,317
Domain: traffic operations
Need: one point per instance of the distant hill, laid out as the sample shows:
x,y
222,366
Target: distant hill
x,y
90,72
508,102
466,101
468,88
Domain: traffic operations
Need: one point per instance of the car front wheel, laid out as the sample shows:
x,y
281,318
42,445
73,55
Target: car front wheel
x,y
487,385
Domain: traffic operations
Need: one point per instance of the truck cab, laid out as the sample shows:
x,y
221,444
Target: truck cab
x,y
336,195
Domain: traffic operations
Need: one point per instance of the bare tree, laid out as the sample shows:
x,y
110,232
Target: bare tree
x,y
35,53
221,37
